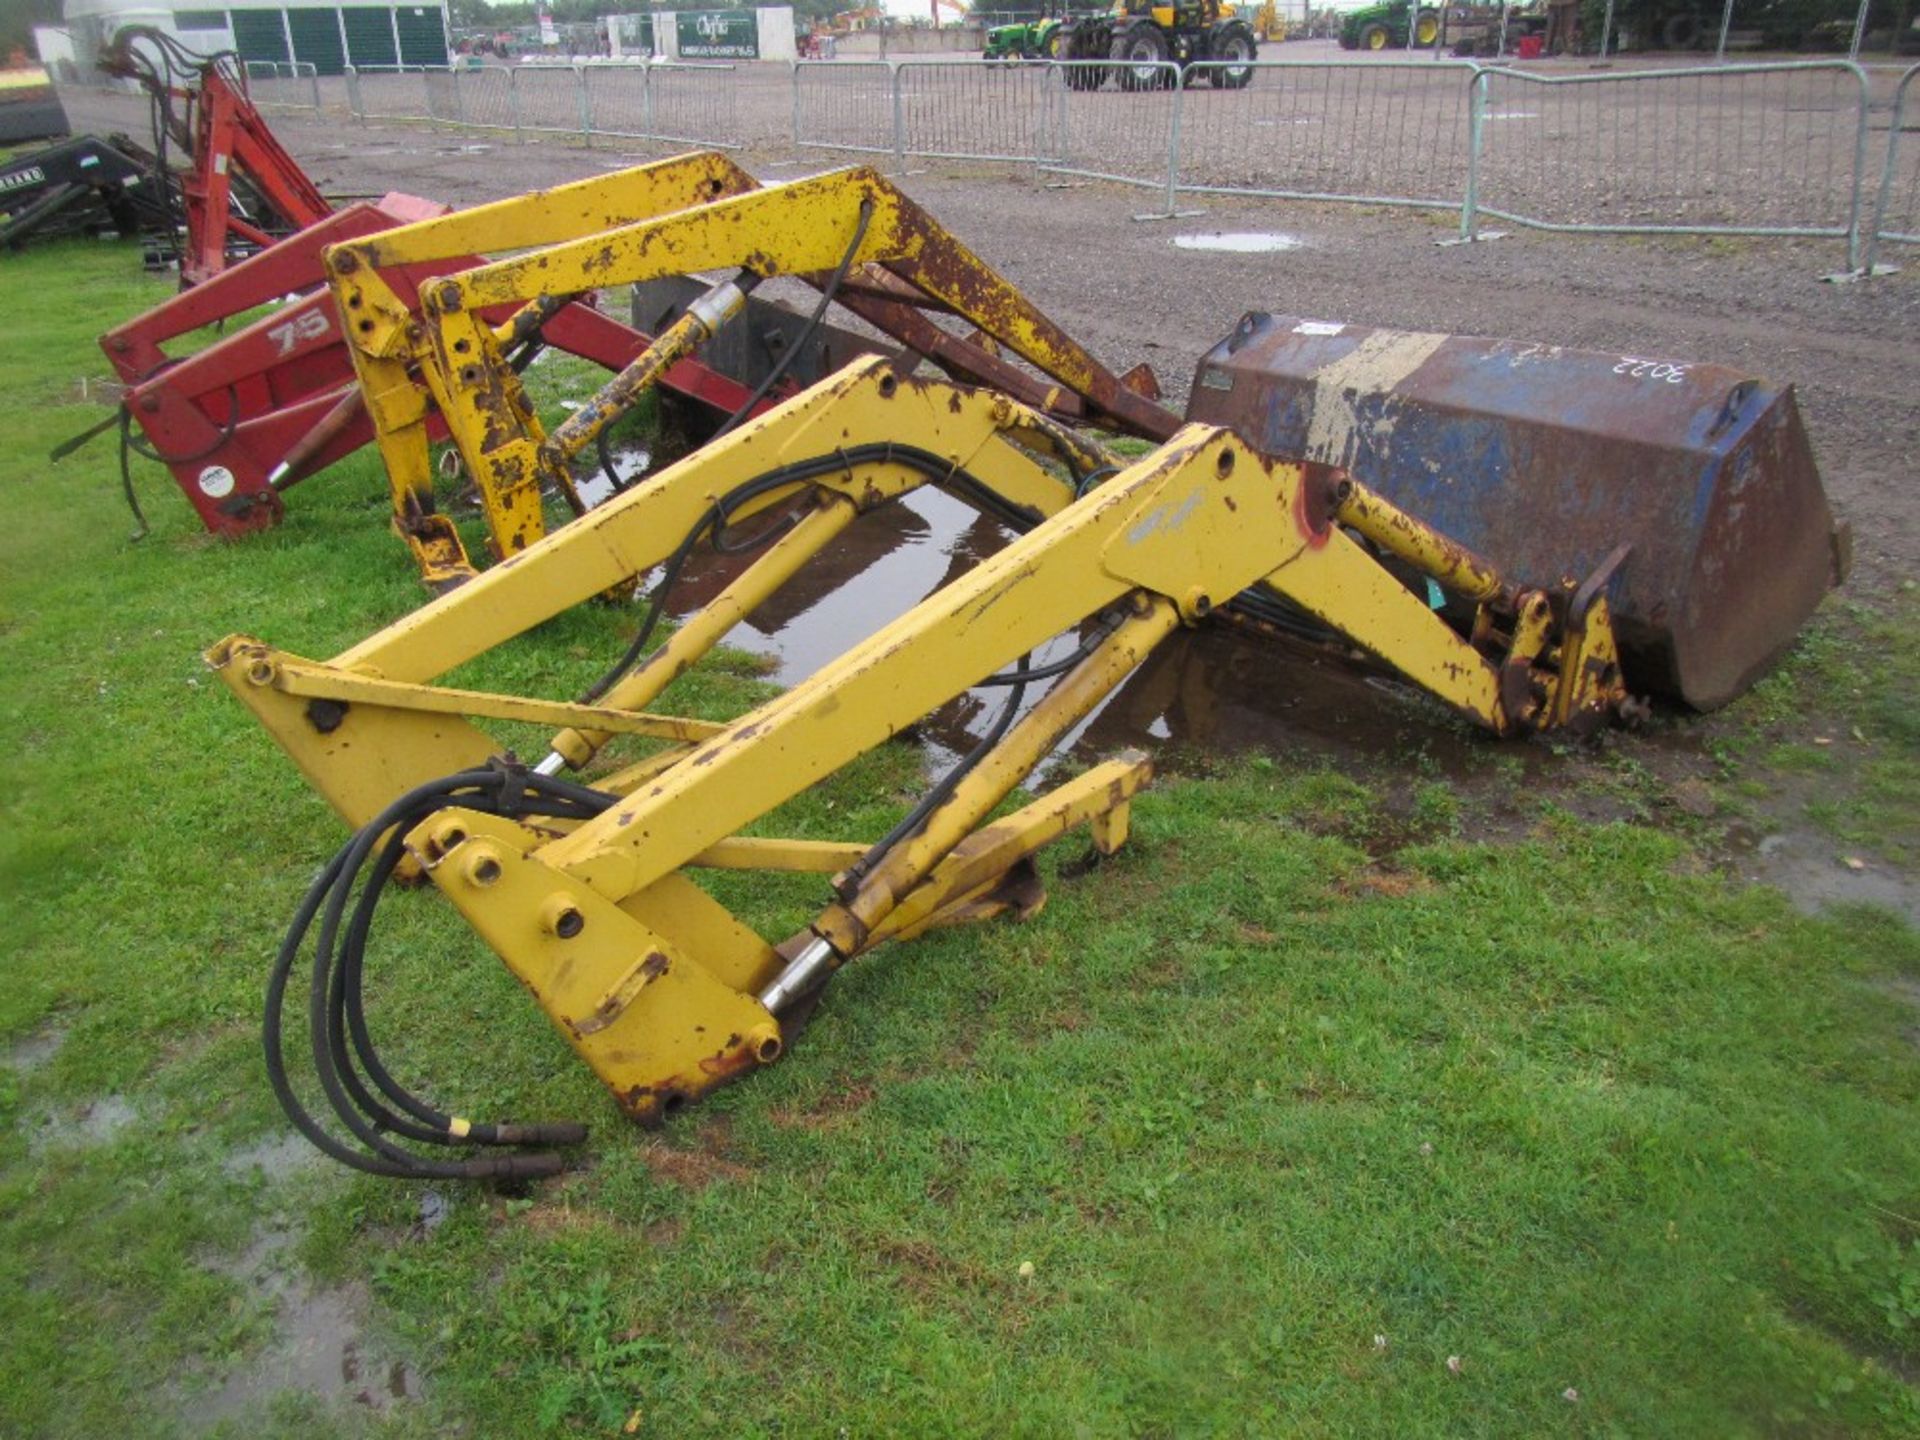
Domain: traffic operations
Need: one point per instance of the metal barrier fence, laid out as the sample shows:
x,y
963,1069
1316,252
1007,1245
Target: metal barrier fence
x,y
1729,149
396,92
847,105
1778,149
1391,132
656,100
283,85
1129,132
1896,210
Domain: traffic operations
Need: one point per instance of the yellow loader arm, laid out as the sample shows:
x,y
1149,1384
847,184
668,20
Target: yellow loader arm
x,y
583,891
452,362
399,388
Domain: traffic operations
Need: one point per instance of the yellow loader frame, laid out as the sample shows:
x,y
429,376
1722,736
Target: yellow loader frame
x,y
664,992
675,217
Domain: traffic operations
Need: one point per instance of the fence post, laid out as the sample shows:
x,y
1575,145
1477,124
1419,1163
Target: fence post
x,y
314,81
1859,33
1063,135
1173,137
1860,163
646,99
513,102
1726,20
1476,115
899,122
354,107
1606,30
795,65
586,106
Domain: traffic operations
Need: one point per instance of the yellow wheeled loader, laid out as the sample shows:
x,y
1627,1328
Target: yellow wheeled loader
x,y
579,870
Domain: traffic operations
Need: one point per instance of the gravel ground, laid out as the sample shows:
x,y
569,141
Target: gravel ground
x,y
1125,290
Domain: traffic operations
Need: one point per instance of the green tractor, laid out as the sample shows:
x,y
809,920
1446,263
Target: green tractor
x,y
1138,35
1030,40
1382,27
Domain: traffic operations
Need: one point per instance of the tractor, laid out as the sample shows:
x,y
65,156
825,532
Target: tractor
x,y
1139,37
1376,27
1027,40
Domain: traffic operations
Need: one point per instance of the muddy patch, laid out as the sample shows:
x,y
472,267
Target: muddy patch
x,y
319,1344
33,1052
273,1157
83,1126
1815,872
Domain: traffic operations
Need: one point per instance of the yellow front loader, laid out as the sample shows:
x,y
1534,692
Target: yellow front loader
x,y
1676,551
583,886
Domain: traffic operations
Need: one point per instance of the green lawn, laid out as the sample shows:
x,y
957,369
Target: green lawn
x,y
1247,1133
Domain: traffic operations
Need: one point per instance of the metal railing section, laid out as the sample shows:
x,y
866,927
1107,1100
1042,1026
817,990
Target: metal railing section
x,y
1774,149
845,105
1388,132
399,92
1727,149
617,100
1113,122
547,99
694,104
284,85
968,110
1896,208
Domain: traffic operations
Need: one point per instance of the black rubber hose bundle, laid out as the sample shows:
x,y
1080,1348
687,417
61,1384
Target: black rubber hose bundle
x,y
346,1064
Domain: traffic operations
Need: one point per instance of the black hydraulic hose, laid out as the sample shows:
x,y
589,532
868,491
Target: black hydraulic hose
x,y
140,527
605,456
328,1047
936,468
1052,667
785,362
227,428
942,791
334,998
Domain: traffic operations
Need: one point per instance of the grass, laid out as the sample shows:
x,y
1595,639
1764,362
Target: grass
x,y
1253,1130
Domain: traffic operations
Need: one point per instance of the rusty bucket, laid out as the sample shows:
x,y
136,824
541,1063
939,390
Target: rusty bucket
x,y
1544,460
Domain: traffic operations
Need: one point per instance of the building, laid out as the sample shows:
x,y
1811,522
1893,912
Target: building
x,y
327,37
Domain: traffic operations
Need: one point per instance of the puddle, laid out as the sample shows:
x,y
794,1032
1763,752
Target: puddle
x,y
319,1346
1212,689
629,463
32,1052
274,1156
1240,242
1812,871
98,391
96,1122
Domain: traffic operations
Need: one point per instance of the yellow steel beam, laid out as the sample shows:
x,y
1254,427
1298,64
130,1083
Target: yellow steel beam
x,y
392,356
799,228
865,404
552,216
